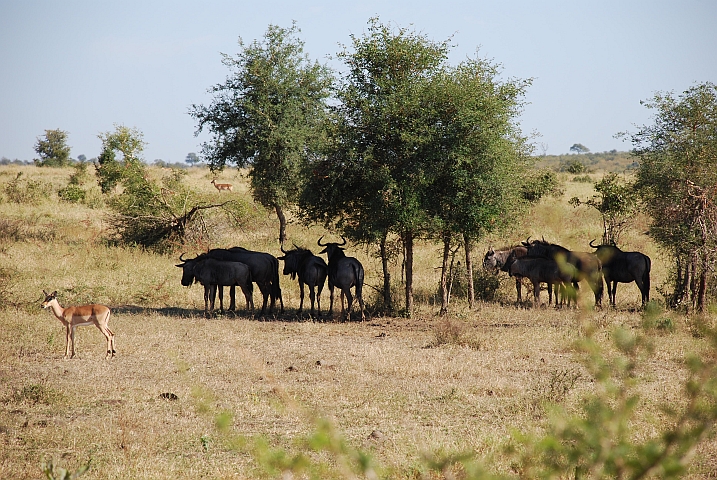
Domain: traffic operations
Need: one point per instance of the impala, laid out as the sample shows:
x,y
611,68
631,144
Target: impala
x,y
73,317
222,186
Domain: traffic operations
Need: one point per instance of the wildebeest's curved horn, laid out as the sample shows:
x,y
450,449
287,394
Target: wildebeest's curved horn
x,y
594,246
526,243
282,248
344,241
182,259
319,242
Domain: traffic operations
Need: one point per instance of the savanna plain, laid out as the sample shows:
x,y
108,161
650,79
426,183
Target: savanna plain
x,y
189,396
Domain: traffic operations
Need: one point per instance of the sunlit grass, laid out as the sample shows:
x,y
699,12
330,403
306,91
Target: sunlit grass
x,y
427,384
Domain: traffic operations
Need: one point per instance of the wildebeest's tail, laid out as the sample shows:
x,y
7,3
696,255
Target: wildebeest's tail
x,y
358,272
646,278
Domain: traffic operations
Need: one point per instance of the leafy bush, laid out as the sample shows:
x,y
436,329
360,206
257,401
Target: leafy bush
x,y
72,194
23,191
574,166
485,285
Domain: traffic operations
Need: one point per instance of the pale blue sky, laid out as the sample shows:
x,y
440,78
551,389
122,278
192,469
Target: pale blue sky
x,y
83,66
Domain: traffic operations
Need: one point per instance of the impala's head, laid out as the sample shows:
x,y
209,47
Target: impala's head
x,y
49,297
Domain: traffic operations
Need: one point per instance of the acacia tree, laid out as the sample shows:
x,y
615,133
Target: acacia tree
x,y
129,142
267,116
146,213
677,179
371,180
476,161
616,201
53,149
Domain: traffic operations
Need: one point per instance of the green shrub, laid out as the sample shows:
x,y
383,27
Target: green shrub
x,y
31,192
485,285
72,193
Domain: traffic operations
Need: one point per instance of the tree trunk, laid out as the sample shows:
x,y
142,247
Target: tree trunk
x,y
408,244
702,293
388,304
282,223
469,270
445,273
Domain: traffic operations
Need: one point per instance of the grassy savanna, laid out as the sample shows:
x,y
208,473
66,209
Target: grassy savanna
x,y
234,396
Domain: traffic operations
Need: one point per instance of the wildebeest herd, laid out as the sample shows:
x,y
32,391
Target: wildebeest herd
x,y
542,262
240,267
538,261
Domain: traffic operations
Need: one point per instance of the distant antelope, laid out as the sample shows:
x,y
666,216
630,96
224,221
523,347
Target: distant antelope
x,y
222,186
73,317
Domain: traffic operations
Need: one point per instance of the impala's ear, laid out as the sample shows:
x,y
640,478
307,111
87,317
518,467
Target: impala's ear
x,y
54,294
46,294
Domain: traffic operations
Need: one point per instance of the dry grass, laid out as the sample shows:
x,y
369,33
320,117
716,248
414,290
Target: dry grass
x,y
427,384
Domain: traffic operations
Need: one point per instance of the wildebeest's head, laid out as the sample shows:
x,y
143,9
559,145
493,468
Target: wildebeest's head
x,y
293,259
187,267
606,252
333,249
489,260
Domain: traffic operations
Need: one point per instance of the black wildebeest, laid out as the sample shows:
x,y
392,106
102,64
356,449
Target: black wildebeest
x,y
538,270
264,269
580,265
344,273
212,273
495,260
624,267
311,270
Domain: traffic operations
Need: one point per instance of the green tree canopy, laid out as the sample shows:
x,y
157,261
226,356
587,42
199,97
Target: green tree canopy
x,y
267,116
616,201
129,142
579,148
53,149
417,147
370,181
477,160
677,179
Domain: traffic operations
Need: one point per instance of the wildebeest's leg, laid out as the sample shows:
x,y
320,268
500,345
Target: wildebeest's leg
x,y
536,293
363,310
614,293
312,297
518,285
249,298
349,302
331,299
220,289
206,300
301,297
213,297
550,294
318,298
265,290
232,298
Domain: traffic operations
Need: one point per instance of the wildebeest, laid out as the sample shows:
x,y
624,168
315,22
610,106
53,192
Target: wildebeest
x,y
344,273
537,270
495,260
212,273
624,267
311,270
579,265
73,317
264,269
